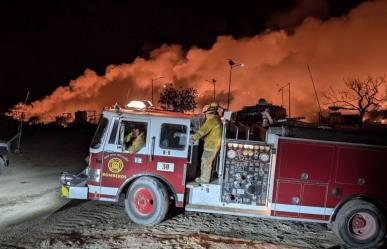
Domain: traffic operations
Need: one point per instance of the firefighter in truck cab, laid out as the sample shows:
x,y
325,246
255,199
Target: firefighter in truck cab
x,y
135,139
211,132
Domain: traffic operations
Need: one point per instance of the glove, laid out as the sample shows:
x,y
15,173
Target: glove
x,y
191,140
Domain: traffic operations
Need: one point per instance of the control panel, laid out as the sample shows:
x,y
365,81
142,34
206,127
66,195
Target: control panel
x,y
246,172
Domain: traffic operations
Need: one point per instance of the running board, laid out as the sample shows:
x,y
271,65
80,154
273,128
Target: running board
x,y
195,184
227,210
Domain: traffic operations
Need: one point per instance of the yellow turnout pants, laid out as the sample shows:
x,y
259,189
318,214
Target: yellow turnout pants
x,y
206,165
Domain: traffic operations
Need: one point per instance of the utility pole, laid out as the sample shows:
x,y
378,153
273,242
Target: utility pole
x,y
232,66
20,129
290,113
213,81
152,81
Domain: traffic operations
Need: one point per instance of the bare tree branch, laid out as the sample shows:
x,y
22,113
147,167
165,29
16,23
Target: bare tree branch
x,y
362,95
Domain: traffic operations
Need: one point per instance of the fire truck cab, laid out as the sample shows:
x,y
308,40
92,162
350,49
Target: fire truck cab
x,y
281,176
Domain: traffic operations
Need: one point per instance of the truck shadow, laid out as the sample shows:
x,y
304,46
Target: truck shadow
x,y
71,204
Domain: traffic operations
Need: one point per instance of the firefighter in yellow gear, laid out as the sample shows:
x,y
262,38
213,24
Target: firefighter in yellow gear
x,y
137,139
211,132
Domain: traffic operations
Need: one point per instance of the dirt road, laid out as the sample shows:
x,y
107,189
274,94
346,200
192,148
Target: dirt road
x,y
105,225
28,187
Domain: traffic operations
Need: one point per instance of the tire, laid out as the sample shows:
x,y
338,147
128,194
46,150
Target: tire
x,y
2,165
147,201
360,224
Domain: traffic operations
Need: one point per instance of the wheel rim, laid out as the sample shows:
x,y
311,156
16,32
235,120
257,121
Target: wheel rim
x,y
362,226
143,201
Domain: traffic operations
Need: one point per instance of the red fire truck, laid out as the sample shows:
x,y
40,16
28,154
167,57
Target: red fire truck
x,y
291,173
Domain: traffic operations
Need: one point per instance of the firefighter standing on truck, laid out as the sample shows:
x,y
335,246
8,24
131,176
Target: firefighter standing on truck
x,y
211,132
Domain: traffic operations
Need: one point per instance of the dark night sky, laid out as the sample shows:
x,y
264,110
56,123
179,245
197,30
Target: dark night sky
x,y
45,44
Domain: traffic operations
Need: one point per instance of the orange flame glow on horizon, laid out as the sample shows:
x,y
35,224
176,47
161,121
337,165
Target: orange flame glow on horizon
x,y
351,46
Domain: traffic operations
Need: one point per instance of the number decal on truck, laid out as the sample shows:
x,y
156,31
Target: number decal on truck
x,y
161,166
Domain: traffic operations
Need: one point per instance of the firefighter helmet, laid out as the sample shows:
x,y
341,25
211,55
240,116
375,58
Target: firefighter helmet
x,y
205,108
212,108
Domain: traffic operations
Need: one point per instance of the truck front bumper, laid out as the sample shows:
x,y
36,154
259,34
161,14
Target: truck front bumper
x,y
74,186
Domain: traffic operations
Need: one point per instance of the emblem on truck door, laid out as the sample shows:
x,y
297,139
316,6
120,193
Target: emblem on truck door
x,y
170,167
115,165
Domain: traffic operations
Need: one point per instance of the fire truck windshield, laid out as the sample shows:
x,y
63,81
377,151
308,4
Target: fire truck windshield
x,y
97,140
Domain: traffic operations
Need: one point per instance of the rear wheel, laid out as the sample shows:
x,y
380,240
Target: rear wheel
x,y
147,201
2,165
360,224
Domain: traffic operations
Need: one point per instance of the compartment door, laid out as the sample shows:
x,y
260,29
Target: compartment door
x,y
288,199
313,201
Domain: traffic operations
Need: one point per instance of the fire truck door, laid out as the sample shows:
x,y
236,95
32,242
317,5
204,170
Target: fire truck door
x,y
126,153
170,152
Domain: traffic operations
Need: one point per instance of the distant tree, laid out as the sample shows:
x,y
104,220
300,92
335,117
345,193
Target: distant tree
x,y
61,120
182,99
360,95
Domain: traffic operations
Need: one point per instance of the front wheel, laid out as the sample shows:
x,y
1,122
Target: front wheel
x,y
360,224
147,201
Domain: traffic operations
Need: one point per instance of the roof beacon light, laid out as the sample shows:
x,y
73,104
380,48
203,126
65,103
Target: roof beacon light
x,y
139,104
136,104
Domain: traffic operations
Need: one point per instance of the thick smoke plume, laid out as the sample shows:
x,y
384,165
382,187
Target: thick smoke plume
x,y
350,46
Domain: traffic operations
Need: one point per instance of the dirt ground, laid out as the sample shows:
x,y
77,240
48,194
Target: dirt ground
x,y
32,215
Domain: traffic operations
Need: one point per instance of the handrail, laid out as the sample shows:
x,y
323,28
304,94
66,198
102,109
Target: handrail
x,y
190,153
152,149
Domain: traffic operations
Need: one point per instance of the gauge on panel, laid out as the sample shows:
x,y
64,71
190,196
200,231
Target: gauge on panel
x,y
256,154
264,157
231,154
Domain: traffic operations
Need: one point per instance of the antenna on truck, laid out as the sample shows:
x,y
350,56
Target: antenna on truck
x,y
315,92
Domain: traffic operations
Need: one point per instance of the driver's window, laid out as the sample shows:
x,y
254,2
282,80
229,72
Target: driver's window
x,y
134,135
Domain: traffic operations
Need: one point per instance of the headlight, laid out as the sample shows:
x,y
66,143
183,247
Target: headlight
x,y
93,174
65,178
